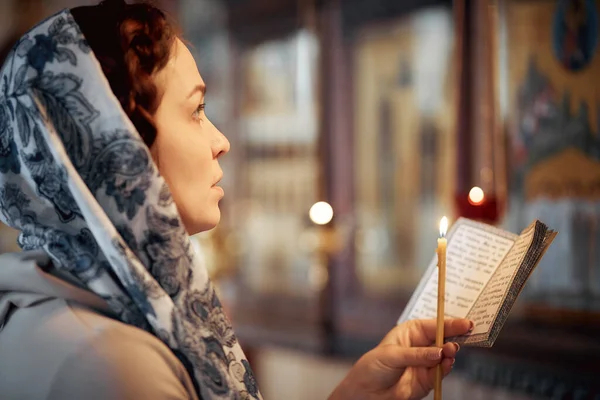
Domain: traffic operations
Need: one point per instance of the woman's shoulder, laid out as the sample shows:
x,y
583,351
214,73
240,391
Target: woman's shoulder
x,y
69,348
121,362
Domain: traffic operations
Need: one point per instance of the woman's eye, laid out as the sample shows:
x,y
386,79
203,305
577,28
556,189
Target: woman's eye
x,y
198,111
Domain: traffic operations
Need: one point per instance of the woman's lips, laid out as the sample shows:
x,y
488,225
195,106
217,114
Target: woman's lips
x,y
219,189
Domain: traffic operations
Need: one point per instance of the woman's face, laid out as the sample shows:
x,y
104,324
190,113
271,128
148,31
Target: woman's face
x,y
188,145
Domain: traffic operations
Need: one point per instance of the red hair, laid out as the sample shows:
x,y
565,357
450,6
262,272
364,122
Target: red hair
x,y
132,42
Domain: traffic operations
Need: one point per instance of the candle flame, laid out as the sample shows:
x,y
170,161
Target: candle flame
x,y
443,226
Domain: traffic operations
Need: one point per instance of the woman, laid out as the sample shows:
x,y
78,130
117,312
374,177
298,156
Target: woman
x,y
107,164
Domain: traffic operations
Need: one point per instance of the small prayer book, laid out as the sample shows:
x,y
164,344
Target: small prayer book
x,y
486,269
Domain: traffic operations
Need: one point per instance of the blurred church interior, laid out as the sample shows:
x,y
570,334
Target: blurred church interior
x,y
391,111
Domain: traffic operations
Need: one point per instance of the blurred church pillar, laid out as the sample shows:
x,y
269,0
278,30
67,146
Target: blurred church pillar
x,y
480,132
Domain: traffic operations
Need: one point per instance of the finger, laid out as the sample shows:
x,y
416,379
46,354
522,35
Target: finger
x,y
447,365
422,331
398,357
450,349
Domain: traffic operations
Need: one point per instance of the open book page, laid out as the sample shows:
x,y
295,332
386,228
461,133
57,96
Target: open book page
x,y
542,238
486,309
475,250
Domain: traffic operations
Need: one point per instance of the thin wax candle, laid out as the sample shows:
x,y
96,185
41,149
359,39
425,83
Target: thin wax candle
x,y
442,244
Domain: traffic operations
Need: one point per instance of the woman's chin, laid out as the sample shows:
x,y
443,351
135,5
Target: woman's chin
x,y
202,223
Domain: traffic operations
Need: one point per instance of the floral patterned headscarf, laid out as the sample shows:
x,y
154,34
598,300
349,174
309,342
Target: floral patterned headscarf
x,y
77,180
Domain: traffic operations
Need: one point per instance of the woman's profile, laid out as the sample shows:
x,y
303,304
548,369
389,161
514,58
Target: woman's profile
x,y
107,163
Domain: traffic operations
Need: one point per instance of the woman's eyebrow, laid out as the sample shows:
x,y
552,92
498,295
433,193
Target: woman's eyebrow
x,y
198,88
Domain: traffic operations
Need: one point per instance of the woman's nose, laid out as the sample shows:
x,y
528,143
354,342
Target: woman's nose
x,y
225,144
222,145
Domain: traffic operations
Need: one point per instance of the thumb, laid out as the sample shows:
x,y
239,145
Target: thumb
x,y
398,357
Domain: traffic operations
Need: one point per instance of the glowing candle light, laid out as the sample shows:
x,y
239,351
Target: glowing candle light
x,y
476,196
321,213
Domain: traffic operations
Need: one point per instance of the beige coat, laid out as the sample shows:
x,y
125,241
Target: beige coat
x,y
59,342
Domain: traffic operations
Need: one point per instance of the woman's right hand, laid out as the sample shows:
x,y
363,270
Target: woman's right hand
x,y
402,366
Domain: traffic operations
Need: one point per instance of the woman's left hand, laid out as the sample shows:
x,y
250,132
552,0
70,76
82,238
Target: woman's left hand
x,y
403,365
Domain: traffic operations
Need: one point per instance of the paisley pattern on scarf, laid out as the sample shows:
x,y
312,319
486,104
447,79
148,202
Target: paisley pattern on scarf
x,y
77,180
